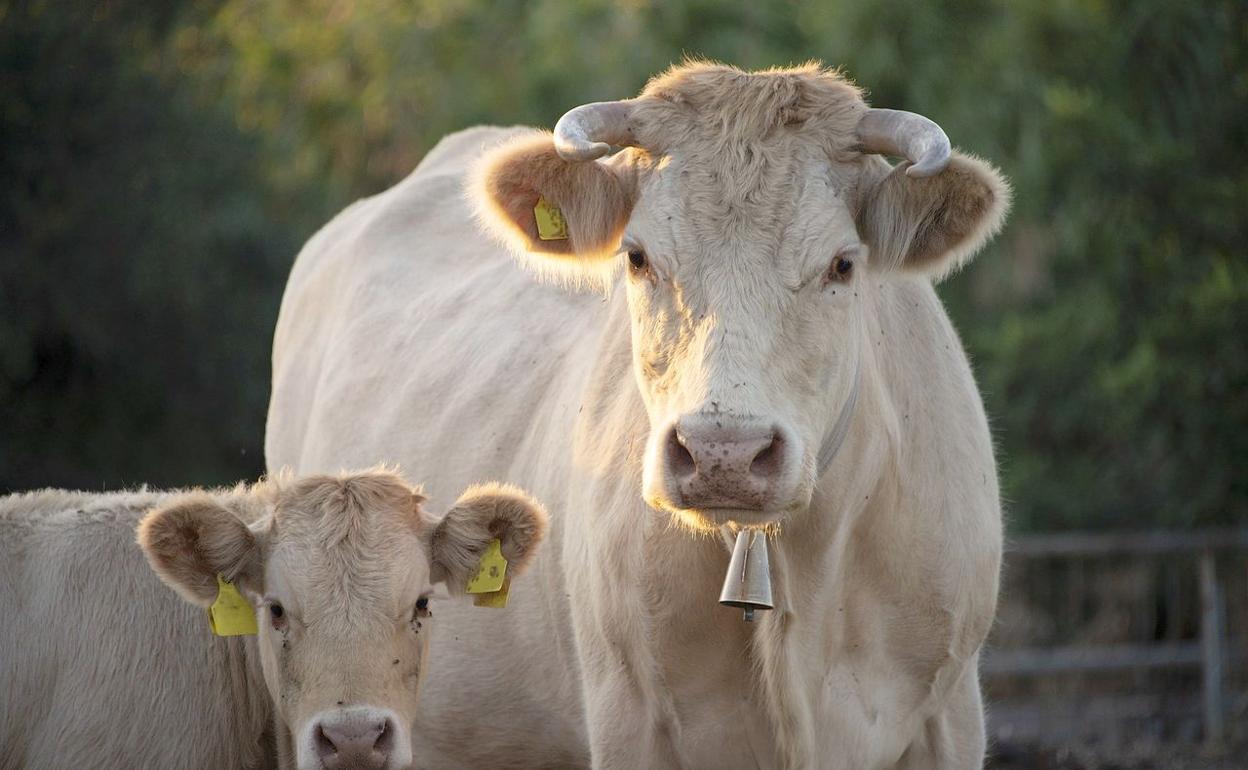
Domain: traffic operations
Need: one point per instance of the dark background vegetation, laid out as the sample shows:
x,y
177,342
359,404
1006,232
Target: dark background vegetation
x,y
161,164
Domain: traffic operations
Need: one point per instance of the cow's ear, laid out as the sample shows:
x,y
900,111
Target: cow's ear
x,y
561,216
482,514
193,538
932,224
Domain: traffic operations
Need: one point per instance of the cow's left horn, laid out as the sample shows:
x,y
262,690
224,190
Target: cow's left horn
x,y
587,132
906,135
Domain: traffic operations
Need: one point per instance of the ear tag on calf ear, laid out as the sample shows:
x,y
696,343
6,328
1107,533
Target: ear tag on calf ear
x,y
496,599
231,614
491,571
490,582
551,226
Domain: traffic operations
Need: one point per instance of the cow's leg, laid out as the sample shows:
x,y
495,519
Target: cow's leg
x,y
954,737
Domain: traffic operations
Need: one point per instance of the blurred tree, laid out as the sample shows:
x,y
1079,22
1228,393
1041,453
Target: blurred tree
x,y
140,267
1107,323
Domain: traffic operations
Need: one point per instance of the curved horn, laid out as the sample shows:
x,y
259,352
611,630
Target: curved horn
x,y
907,135
587,132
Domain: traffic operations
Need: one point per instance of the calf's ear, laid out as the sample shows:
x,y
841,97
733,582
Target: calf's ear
x,y
482,514
193,538
931,224
592,198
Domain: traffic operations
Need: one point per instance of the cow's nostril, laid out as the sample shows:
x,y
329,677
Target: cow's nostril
x,y
324,746
680,461
768,461
385,739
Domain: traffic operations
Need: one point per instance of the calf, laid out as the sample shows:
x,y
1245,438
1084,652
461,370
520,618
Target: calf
x,y
100,666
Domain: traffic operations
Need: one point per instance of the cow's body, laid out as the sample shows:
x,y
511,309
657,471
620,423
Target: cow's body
x,y
401,320
101,665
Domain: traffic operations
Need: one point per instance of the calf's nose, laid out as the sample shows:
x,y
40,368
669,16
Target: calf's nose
x,y
354,742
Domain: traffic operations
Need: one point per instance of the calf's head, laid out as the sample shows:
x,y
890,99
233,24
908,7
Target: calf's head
x,y
340,570
753,216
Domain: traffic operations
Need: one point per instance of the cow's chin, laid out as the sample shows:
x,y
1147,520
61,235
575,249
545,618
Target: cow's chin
x,y
713,519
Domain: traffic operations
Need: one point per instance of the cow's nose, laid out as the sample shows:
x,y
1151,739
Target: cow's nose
x,y
351,741
721,464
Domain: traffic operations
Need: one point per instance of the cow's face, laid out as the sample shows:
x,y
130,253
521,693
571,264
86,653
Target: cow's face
x,y
340,571
751,226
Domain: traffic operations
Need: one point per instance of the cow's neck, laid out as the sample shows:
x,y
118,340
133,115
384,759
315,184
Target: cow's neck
x,y
681,575
808,558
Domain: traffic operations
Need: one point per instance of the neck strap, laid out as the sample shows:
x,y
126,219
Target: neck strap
x,y
832,444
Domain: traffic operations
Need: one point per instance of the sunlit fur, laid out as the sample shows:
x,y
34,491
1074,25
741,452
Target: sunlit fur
x,y
346,555
401,319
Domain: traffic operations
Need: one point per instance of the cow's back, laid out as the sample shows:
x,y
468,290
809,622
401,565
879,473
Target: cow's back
x,y
407,337
101,665
383,347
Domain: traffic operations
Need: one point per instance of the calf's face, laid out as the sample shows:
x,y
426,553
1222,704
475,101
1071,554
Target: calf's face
x,y
340,570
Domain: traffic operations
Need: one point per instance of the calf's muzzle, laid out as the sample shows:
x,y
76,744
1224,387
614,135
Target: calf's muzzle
x,y
354,739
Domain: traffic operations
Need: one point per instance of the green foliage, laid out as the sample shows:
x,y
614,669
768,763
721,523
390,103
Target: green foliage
x,y
139,265
166,163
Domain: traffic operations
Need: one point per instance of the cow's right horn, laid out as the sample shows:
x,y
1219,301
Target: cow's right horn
x,y
907,135
587,132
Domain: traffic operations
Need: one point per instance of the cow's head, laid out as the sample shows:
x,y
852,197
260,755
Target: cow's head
x,y
754,218
340,570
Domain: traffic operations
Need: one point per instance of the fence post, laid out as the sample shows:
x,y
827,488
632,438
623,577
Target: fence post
x,y
1211,635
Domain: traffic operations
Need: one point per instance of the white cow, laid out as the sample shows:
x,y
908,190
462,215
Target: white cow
x,y
768,351
102,667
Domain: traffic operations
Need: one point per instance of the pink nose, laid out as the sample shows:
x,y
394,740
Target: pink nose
x,y
350,741
720,464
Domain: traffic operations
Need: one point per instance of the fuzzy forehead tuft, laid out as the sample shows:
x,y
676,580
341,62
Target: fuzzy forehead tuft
x,y
338,508
696,101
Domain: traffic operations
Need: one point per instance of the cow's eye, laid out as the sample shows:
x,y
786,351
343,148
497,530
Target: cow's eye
x,y
421,610
277,615
637,260
841,269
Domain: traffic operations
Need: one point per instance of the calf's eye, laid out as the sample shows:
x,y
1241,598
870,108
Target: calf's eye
x,y
421,610
277,615
637,259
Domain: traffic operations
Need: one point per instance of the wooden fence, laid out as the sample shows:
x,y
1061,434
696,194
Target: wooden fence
x,y
1209,652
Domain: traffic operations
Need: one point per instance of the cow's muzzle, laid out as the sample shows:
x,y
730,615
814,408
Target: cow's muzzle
x,y
715,462
357,738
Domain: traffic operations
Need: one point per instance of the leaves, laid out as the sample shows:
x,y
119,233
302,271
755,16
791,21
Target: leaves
x,y
166,163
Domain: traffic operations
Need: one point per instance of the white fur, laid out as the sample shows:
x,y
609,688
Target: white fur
x,y
100,664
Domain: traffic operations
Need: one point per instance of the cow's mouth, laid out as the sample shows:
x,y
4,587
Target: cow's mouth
x,y
714,519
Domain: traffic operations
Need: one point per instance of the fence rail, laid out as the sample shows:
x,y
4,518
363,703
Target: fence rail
x,y
1208,653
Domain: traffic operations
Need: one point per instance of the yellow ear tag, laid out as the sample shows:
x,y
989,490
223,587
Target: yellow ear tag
x,y
496,599
551,226
490,572
231,614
